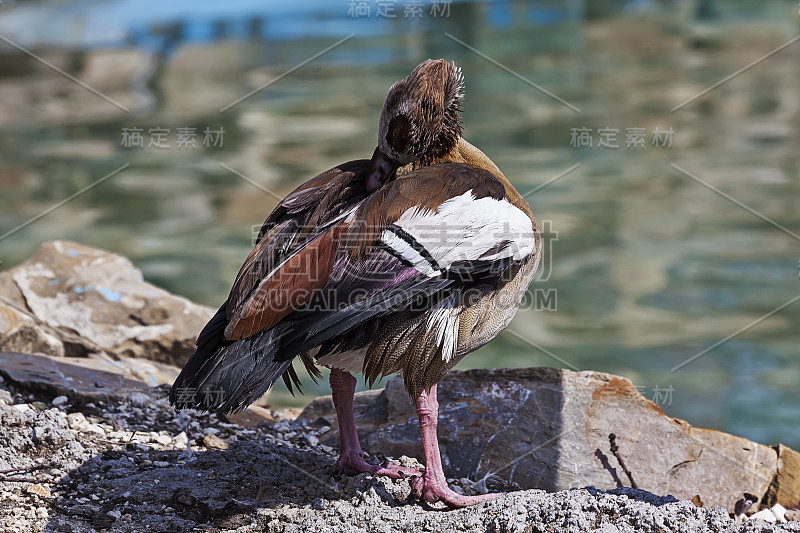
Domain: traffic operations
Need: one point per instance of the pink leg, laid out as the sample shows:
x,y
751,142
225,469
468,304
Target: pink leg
x,y
351,457
433,486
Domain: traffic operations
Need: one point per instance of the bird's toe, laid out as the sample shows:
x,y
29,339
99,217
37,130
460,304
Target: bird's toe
x,y
432,492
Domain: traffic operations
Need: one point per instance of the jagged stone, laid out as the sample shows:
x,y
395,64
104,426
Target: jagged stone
x,y
20,332
549,429
71,299
85,379
786,488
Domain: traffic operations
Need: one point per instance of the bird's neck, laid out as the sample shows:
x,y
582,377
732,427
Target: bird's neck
x,y
464,152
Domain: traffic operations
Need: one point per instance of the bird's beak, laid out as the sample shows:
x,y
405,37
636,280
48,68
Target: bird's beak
x,y
382,170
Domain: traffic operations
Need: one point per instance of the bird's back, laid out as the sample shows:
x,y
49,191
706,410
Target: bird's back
x,y
407,279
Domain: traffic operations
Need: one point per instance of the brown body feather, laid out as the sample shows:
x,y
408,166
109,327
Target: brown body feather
x,y
256,302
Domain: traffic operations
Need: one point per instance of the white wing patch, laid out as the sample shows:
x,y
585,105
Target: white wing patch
x,y
463,228
443,322
408,253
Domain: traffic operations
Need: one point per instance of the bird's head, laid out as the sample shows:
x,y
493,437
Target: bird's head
x,y
419,120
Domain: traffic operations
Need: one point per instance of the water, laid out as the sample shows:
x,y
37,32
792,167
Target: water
x,y
647,265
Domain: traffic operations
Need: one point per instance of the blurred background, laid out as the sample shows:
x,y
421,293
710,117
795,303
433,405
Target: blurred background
x,y
647,265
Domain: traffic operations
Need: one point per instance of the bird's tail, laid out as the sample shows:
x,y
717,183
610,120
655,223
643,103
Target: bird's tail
x,y
226,376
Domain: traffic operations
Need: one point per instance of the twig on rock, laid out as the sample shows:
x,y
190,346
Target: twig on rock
x,y
4,479
615,450
21,469
15,473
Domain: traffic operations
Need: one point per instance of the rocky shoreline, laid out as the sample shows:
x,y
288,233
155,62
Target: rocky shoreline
x,y
90,444
138,466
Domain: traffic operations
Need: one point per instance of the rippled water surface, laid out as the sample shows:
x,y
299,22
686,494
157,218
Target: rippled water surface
x,y
657,255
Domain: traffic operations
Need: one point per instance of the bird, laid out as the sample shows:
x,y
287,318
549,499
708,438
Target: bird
x,y
403,263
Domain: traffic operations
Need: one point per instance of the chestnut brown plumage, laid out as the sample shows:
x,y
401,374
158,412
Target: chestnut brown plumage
x,y
404,263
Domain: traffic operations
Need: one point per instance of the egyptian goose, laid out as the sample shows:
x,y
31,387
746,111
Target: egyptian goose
x,y
404,263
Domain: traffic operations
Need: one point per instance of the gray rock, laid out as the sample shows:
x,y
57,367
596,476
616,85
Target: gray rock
x,y
212,442
5,397
779,511
318,504
77,378
59,400
76,420
139,399
129,379
70,299
549,429
22,332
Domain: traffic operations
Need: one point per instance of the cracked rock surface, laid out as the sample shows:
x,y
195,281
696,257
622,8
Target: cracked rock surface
x,y
69,299
491,419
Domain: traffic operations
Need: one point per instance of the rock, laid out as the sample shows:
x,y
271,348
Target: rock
x,y
59,400
161,438
39,490
180,440
76,378
5,397
93,428
115,68
213,442
76,421
549,429
766,515
150,372
139,399
779,511
128,379
786,487
792,515
138,446
21,332
71,299
255,416
318,504
269,480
